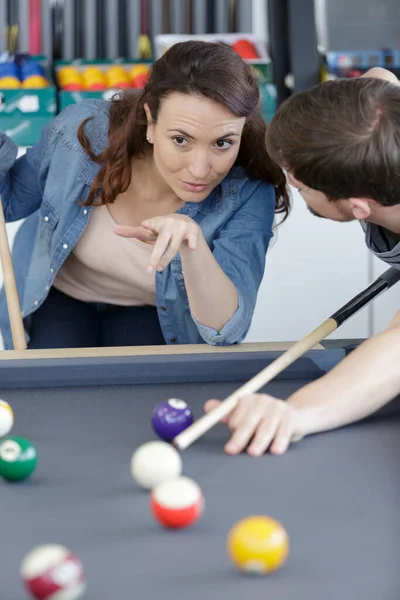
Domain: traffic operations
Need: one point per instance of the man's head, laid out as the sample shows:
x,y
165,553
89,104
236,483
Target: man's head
x,y
339,143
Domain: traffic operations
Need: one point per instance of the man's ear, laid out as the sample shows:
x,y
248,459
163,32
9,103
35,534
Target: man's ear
x,y
360,208
293,181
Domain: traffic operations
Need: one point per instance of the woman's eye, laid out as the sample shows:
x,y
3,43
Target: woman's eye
x,y
180,141
223,144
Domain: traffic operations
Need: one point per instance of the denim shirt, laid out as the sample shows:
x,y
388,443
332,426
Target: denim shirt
x,y
46,187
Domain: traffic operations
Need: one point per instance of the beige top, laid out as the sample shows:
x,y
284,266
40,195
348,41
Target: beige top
x,y
104,267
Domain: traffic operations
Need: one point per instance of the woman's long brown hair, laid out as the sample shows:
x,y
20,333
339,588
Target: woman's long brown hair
x,y
212,70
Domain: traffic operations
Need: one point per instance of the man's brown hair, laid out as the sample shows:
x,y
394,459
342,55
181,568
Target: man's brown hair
x,y
342,138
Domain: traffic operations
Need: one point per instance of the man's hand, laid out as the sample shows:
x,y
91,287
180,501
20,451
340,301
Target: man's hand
x,y
260,422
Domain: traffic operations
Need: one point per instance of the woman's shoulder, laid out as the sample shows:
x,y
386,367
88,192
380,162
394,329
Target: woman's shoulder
x,y
67,122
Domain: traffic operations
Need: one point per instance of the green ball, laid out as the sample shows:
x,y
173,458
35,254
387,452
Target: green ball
x,y
18,458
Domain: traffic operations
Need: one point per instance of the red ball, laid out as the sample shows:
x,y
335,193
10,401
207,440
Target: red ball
x,y
123,85
73,87
140,81
177,503
52,571
246,49
97,86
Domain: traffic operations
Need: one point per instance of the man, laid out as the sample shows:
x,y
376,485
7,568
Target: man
x,y
339,144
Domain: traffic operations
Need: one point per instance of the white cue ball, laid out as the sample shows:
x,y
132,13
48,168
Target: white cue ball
x,y
6,418
155,462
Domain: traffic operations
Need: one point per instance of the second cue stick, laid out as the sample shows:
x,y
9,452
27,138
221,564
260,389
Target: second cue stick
x,y
14,309
205,423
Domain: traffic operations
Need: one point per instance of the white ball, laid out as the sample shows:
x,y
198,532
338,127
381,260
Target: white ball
x,y
177,503
155,462
179,493
52,572
6,418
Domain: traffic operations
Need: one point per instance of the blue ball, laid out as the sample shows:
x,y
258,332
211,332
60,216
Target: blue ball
x,y
170,418
9,69
30,68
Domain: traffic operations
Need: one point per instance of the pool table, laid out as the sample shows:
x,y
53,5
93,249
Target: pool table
x,y
86,411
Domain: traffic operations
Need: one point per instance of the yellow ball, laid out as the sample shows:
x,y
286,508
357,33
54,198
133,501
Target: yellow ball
x,y
93,79
6,418
9,82
35,81
115,80
139,69
116,71
67,71
68,74
93,73
258,545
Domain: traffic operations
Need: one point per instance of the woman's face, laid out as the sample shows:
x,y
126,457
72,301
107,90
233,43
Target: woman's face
x,y
195,144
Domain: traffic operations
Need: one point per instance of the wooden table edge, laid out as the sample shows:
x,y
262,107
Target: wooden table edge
x,y
125,351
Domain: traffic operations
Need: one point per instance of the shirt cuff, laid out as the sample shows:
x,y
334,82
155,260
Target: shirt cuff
x,y
233,332
8,152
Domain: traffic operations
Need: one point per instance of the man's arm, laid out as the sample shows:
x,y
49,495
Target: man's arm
x,y
358,386
380,73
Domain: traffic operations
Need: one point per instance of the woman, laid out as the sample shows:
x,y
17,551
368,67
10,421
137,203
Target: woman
x,y
148,218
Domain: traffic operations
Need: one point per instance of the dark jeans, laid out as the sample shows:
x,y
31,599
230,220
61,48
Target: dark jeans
x,y
63,322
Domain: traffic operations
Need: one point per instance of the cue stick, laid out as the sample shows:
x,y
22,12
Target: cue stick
x,y
244,16
156,16
10,286
23,23
221,15
133,29
46,29
89,39
177,17
3,25
68,30
112,33
34,26
202,425
144,46
199,17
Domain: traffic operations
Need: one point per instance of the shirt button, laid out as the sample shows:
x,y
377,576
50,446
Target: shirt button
x,y
51,270
36,303
65,246
46,219
85,212
172,340
164,308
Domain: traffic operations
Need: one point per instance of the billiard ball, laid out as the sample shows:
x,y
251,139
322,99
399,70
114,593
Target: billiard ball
x,y
155,462
258,544
51,571
18,458
6,418
177,503
170,418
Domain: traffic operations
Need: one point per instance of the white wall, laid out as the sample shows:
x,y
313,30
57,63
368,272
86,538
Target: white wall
x,y
313,267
